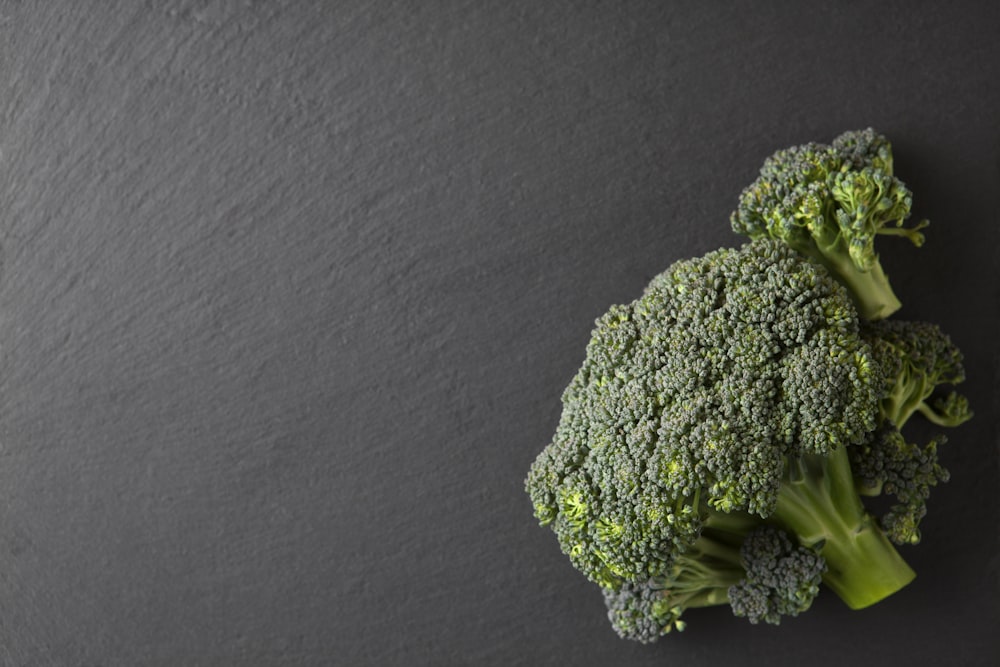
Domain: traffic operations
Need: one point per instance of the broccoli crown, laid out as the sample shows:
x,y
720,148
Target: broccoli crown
x,y
782,578
689,401
916,359
888,464
841,193
830,202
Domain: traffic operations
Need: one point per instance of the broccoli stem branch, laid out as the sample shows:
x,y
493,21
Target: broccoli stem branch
x,y
870,290
905,399
708,570
943,417
819,502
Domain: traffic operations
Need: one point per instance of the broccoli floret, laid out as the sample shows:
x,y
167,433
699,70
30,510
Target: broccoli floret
x,y
782,578
829,202
766,571
641,612
726,397
888,464
916,359
701,576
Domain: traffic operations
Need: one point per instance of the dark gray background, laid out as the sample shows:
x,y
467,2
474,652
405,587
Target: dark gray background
x,y
289,293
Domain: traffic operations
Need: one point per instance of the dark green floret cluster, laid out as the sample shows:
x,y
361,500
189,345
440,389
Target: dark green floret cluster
x,y
830,202
781,578
918,358
890,465
716,445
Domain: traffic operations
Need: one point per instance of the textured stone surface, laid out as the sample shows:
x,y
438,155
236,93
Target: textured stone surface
x,y
289,292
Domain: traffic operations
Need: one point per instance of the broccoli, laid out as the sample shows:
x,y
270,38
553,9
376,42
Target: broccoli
x,y
917,357
781,578
723,400
891,465
641,612
718,443
829,202
765,578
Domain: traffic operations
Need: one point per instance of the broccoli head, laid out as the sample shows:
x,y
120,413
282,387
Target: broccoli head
x,y
723,399
830,202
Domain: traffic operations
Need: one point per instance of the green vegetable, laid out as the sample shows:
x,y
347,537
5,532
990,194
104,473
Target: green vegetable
x,y
716,444
829,202
917,358
889,464
765,578
781,578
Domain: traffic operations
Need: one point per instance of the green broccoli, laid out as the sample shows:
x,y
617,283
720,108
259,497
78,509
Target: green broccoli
x,y
888,464
917,358
723,400
782,579
765,578
829,202
641,612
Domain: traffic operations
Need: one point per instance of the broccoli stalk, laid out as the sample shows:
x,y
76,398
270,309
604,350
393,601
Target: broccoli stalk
x,y
819,502
702,577
870,289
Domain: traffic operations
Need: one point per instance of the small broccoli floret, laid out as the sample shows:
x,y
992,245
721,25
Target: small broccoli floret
x,y
830,202
641,612
891,465
700,576
727,395
782,578
950,410
916,359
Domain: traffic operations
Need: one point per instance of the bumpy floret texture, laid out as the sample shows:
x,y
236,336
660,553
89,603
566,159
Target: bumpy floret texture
x,y
641,612
815,193
890,465
782,578
830,202
691,398
917,358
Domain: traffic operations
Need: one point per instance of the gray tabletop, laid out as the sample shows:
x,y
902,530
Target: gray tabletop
x,y
289,293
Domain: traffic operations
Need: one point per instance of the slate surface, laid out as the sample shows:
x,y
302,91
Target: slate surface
x,y
289,293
